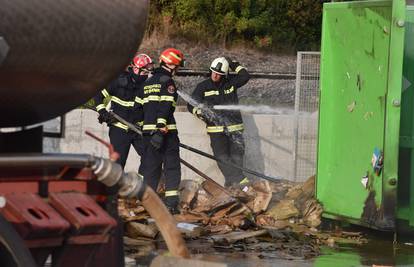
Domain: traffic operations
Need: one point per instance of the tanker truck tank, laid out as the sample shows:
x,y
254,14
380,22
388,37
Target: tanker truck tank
x,y
55,55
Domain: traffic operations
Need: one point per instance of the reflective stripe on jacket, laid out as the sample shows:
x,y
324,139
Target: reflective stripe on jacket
x,y
158,99
122,93
224,92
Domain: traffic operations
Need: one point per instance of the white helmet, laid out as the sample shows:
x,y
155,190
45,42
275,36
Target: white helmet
x,y
220,65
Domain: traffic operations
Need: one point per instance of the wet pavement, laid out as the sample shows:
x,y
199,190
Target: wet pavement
x,y
376,253
379,251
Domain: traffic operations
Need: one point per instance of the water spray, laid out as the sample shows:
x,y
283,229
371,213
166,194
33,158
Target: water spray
x,y
209,114
262,109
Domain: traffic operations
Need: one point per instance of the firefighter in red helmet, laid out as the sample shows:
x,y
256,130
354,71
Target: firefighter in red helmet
x,y
161,150
142,64
122,94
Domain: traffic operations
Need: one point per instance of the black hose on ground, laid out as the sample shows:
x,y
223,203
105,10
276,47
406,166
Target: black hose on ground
x,y
204,154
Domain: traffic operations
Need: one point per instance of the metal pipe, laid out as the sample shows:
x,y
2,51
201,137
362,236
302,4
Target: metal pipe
x,y
253,74
46,160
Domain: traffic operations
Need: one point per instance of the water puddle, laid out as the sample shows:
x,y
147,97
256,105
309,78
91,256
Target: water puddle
x,y
377,252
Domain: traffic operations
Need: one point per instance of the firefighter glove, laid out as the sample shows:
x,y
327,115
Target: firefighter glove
x,y
157,140
204,113
105,116
228,59
232,64
201,114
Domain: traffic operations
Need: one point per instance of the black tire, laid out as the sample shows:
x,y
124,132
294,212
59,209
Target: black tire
x,y
13,252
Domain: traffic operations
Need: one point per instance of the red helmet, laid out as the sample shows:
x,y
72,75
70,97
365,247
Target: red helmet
x,y
142,61
172,56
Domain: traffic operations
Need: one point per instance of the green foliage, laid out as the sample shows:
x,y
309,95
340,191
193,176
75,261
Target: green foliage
x,y
266,24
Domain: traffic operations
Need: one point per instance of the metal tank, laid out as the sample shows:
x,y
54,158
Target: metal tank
x,y
55,55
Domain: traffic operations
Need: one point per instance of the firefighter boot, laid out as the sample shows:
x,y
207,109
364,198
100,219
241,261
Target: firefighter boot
x,y
171,202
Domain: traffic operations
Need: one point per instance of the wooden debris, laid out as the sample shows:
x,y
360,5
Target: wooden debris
x,y
130,210
188,192
215,191
222,213
349,241
138,247
282,186
268,221
219,229
134,230
312,213
190,230
257,195
302,190
138,217
287,213
192,217
239,221
283,210
294,192
137,242
299,228
202,203
263,195
219,198
236,236
351,234
239,210
302,193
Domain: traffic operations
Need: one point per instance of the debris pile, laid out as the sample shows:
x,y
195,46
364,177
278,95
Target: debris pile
x,y
274,219
256,204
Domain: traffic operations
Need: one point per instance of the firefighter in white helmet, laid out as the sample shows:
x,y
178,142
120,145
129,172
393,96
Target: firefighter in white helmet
x,y
225,127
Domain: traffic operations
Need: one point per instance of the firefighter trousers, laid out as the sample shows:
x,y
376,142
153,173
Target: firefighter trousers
x,y
168,156
122,141
229,147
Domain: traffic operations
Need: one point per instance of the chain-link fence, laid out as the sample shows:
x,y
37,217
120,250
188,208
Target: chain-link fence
x,y
306,115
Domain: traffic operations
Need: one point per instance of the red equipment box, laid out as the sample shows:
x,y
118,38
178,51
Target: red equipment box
x,y
84,214
32,217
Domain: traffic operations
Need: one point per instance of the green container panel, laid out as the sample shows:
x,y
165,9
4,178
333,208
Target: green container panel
x,y
406,157
361,65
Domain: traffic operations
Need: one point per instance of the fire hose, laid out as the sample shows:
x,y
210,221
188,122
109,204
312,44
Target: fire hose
x,y
199,152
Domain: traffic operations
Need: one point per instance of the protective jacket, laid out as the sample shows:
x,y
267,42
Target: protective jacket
x,y
122,93
223,92
158,98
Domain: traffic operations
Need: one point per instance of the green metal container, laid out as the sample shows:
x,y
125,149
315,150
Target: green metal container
x,y
360,112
